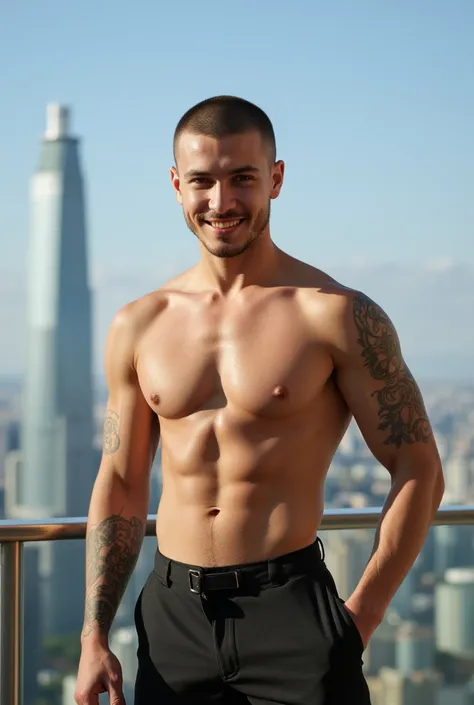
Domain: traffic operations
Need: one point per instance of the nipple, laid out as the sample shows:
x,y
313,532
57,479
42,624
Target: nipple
x,y
280,392
155,399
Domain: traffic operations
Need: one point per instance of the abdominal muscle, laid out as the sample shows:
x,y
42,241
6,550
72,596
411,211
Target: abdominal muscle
x,y
248,501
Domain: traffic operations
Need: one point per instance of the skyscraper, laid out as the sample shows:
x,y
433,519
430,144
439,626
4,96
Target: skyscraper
x,y
58,407
53,474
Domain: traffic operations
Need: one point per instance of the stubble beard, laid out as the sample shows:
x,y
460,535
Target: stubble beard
x,y
226,250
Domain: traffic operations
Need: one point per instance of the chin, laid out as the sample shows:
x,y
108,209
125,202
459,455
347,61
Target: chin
x,y
226,251
227,246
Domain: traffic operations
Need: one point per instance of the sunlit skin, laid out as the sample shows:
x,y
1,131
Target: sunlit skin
x,y
218,182
250,366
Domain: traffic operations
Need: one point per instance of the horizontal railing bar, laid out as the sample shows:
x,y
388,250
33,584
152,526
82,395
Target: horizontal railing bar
x,y
62,529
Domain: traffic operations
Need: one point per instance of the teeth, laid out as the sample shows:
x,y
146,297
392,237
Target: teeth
x,y
223,226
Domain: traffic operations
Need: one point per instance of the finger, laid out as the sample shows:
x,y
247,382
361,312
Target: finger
x,y
116,695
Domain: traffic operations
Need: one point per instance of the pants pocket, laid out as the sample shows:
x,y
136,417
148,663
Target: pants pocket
x,y
346,615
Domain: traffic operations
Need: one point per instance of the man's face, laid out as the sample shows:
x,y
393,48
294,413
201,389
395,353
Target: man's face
x,y
225,187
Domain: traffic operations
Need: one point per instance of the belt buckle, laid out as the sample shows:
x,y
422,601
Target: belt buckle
x,y
237,581
198,575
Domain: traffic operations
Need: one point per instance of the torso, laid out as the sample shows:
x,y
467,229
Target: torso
x,y
250,417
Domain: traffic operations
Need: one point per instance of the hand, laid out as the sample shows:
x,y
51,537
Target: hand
x,y
365,621
99,672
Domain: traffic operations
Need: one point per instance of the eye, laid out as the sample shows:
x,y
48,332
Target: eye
x,y
244,177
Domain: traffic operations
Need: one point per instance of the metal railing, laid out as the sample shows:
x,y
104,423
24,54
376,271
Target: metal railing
x,y
13,534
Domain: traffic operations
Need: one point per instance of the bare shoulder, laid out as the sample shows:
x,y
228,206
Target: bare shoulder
x,y
132,321
345,316
358,332
137,314
128,326
134,316
322,295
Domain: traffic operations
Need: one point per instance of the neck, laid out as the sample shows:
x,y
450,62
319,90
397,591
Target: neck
x,y
259,265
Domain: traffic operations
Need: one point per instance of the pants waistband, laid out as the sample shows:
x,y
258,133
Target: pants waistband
x,y
275,571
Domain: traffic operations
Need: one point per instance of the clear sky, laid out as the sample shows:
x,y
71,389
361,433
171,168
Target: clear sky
x,y
372,103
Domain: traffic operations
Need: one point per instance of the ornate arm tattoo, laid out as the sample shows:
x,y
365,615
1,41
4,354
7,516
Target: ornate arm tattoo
x,y
112,552
401,410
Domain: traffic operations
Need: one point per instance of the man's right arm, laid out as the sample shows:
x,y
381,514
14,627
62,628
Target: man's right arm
x,y
119,503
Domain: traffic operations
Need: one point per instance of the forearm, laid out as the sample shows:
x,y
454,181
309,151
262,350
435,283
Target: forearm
x,y
115,530
408,512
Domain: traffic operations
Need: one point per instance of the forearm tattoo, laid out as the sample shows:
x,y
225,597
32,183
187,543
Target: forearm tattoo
x,y
401,410
112,552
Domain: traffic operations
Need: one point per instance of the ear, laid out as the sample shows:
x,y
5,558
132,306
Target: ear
x,y
176,184
278,172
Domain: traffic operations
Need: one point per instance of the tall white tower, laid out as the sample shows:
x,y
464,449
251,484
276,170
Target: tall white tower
x,y
58,462
53,474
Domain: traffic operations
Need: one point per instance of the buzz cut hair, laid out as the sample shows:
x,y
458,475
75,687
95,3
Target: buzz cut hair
x,y
225,115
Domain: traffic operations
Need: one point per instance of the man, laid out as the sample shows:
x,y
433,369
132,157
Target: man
x,y
249,366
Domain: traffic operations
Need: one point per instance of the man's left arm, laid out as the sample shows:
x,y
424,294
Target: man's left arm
x,y
388,407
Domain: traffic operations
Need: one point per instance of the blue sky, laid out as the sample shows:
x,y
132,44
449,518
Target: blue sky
x,y
372,103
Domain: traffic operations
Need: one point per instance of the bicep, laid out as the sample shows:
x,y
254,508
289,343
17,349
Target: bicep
x,y
131,430
379,388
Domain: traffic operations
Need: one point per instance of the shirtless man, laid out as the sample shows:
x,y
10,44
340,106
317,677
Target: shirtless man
x,y
249,367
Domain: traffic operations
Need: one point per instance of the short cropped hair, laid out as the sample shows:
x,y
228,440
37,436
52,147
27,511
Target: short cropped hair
x,y
226,115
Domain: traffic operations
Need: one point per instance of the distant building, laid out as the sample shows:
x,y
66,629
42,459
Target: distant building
x,y
53,474
414,649
420,688
9,441
57,432
455,613
347,554
381,650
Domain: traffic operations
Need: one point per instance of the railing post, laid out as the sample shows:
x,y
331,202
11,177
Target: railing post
x,y
11,624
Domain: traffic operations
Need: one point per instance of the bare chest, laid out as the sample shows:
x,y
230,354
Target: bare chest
x,y
263,363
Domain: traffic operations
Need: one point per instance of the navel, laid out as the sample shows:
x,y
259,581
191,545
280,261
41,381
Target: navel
x,y
280,392
214,512
155,399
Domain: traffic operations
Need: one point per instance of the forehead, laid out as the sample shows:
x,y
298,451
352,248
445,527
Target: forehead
x,y
205,153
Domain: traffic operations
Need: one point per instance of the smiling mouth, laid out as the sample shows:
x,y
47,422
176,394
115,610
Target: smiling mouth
x,y
224,224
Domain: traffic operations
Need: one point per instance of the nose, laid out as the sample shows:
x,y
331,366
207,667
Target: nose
x,y
221,198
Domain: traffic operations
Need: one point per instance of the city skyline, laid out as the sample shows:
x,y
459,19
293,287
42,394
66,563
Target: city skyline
x,y
373,106
377,143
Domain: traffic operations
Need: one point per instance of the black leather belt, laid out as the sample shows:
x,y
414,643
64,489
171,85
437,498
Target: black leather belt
x,y
248,577
200,582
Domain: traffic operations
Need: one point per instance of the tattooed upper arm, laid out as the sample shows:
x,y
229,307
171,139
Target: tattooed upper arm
x,y
377,384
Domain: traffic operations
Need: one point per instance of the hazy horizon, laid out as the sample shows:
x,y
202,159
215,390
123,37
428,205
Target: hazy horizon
x,y
377,144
